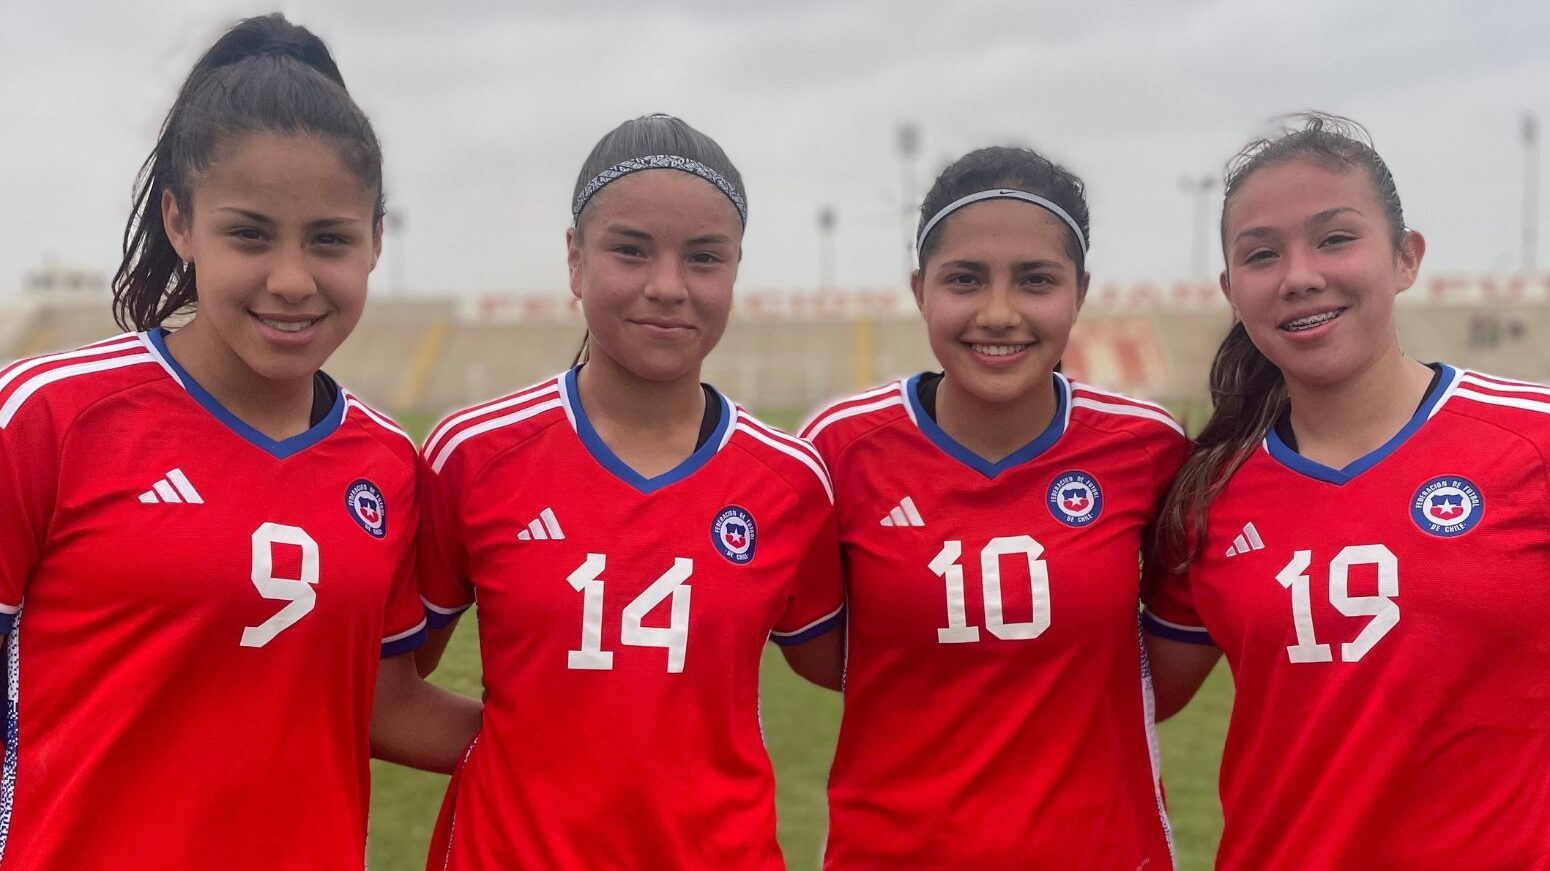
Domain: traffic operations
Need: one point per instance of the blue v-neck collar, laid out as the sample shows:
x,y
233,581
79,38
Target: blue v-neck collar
x,y
155,341
933,431
621,470
1283,453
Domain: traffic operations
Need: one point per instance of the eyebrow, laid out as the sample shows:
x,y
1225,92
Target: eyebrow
x,y
321,223
1325,215
631,232
1021,266
711,239
1036,264
963,264
1320,218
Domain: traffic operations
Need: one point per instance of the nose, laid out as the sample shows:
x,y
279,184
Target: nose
x,y
1302,275
665,284
290,276
996,311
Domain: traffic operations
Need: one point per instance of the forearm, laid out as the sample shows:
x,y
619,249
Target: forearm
x,y
421,725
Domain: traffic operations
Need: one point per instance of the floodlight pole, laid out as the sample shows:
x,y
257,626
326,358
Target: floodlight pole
x,y
1198,189
826,221
393,224
1530,192
909,149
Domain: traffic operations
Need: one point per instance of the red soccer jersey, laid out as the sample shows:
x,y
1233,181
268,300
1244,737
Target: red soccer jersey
x,y
195,614
1385,624
621,620
998,711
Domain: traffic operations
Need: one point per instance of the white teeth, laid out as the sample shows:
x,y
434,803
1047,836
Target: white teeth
x,y
288,326
1311,321
998,350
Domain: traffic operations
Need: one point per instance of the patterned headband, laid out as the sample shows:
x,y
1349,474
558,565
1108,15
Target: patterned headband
x,y
998,194
660,161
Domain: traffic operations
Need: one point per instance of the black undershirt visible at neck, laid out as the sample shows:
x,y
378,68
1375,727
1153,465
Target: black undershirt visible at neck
x,y
925,391
708,421
325,392
1283,425
712,418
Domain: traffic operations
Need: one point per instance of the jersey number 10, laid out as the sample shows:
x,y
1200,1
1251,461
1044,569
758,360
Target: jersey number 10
x,y
946,565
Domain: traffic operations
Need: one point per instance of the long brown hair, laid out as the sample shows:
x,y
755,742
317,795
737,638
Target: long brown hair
x,y
1248,392
264,75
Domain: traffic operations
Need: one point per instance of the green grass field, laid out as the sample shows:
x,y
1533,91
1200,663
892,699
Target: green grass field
x,y
800,725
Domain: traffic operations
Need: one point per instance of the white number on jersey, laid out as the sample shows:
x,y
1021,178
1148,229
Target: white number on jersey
x,y
946,566
297,593
674,638
1382,608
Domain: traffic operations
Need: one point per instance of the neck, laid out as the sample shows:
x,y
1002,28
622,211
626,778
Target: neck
x,y
994,430
278,409
1336,424
651,425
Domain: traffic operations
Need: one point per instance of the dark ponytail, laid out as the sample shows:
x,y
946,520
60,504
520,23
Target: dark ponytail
x,y
265,75
1248,393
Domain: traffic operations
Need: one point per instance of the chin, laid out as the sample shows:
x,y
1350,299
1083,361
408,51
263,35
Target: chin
x,y
662,370
280,369
997,391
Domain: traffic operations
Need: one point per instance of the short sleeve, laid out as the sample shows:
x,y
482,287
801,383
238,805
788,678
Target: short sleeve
x,y
405,620
1168,607
1167,604
816,603
29,476
444,586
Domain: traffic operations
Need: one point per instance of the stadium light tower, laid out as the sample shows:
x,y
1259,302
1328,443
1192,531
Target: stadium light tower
x,y
826,219
909,150
1199,189
1530,191
393,224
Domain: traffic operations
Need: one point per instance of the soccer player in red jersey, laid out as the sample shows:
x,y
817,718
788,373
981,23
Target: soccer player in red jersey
x,y
1366,540
997,712
632,537
205,542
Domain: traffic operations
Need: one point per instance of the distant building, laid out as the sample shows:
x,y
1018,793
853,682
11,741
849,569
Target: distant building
x,y
60,279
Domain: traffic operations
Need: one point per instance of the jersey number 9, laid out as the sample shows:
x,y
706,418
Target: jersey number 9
x,y
297,593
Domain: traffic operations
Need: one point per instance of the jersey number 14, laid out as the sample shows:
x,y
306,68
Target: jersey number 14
x,y
674,638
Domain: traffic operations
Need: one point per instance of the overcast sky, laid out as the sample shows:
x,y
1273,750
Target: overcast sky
x,y
486,109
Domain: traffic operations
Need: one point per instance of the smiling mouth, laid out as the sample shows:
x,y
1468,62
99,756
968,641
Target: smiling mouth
x,y
999,350
287,326
1311,321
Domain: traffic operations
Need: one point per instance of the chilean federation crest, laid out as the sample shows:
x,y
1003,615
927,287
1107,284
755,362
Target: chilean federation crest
x,y
367,507
1075,499
1447,506
733,534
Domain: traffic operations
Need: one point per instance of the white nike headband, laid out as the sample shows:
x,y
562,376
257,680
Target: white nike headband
x,y
998,194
